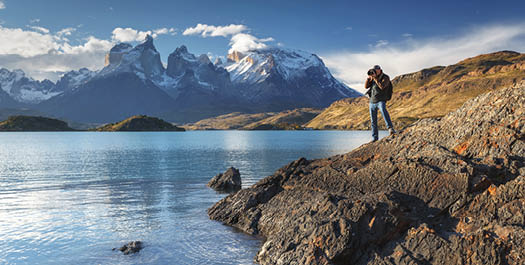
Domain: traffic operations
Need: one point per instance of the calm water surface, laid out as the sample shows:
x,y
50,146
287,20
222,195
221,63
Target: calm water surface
x,y
70,197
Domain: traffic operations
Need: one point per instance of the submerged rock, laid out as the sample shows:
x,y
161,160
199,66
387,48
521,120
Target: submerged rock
x,y
443,191
228,181
131,247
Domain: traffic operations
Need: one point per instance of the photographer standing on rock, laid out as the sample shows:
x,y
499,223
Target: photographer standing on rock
x,y
379,90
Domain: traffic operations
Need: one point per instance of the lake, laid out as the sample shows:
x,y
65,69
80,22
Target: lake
x,y
70,197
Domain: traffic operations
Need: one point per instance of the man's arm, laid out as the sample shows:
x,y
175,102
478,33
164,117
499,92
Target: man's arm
x,y
368,82
385,80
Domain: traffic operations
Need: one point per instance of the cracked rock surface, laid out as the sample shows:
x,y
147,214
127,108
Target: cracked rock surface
x,y
443,191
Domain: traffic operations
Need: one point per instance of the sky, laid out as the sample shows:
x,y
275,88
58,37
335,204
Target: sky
x,y
49,37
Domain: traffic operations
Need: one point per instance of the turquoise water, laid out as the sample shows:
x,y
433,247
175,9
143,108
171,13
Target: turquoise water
x,y
70,197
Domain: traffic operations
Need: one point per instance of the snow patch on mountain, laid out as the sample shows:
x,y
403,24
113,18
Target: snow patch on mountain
x,y
25,89
256,66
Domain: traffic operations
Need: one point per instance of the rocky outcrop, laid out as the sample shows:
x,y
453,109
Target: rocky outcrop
x,y
446,190
139,123
228,181
33,124
131,247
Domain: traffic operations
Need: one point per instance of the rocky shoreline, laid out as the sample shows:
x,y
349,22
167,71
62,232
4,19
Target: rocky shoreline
x,y
443,191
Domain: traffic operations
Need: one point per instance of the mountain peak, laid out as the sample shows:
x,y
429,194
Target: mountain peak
x,y
181,49
147,44
203,58
235,56
114,56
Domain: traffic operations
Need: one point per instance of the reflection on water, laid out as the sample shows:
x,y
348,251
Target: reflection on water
x,y
69,198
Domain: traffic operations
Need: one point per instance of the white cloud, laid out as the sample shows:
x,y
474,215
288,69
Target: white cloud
x,y
35,20
240,40
26,43
243,42
2,5
381,43
407,35
161,31
129,34
214,31
66,32
41,29
413,55
43,54
348,28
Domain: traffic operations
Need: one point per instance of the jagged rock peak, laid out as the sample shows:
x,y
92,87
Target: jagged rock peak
x,y
218,61
115,54
147,44
181,49
120,47
203,58
235,56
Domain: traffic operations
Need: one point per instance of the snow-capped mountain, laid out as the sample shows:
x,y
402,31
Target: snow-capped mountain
x,y
142,60
288,76
134,81
25,89
73,79
192,71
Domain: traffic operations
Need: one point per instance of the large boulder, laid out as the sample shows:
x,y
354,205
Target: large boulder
x,y
443,191
228,181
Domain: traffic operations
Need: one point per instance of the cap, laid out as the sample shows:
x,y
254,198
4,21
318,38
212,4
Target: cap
x,y
377,67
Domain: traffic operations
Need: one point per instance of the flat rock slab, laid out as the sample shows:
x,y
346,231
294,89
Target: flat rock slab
x,y
228,181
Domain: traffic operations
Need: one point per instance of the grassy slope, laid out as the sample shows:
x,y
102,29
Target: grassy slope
x,y
289,119
33,123
139,123
431,92
243,121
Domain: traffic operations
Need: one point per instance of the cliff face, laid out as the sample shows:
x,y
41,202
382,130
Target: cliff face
x,y
443,191
431,92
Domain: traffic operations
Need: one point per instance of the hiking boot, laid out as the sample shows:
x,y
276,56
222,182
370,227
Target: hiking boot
x,y
392,131
373,140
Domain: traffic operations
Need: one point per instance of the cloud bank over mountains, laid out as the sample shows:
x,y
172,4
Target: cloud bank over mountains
x,y
240,39
45,54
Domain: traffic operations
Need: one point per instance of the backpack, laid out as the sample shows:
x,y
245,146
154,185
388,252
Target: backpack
x,y
388,91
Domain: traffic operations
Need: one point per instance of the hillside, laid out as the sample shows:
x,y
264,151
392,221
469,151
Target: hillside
x,y
139,123
286,120
33,123
289,119
431,92
442,191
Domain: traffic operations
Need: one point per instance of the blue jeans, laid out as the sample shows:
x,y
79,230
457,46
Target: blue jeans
x,y
373,117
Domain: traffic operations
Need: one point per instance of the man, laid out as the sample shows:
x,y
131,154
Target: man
x,y
377,83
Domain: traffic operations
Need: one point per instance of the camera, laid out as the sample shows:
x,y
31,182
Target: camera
x,y
371,72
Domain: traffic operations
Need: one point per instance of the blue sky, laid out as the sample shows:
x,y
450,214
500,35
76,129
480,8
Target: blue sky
x,y
331,29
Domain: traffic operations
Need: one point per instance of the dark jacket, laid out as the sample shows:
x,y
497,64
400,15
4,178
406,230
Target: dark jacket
x,y
377,91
